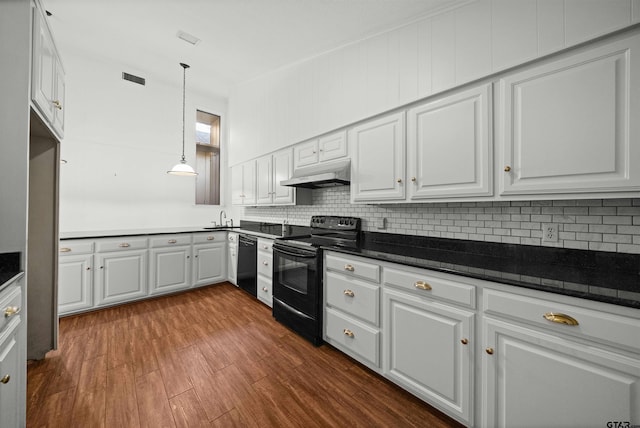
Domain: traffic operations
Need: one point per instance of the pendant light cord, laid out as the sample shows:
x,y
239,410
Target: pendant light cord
x,y
184,89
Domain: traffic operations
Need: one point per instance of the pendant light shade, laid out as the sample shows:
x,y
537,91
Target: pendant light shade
x,y
183,168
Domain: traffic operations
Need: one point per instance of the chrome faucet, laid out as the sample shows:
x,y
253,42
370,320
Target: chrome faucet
x,y
225,217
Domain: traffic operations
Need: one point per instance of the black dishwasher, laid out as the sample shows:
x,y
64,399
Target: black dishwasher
x,y
247,263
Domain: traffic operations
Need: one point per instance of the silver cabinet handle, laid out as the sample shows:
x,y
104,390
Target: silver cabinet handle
x,y
211,238
124,245
65,250
172,241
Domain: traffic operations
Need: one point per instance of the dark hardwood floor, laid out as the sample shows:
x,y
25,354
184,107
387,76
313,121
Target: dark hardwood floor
x,y
211,357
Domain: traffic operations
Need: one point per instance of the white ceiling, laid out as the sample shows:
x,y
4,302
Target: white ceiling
x,y
240,39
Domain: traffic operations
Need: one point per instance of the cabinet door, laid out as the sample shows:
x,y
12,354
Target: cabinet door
x,y
44,65
429,351
282,170
264,181
169,269
10,370
378,161
449,146
237,195
232,266
305,153
332,146
535,379
265,291
209,264
59,99
75,287
120,277
249,183
568,125
243,184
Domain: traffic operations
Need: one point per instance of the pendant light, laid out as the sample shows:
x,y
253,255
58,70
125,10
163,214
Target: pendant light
x,y
183,168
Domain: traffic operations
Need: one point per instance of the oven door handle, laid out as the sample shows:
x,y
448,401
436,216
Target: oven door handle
x,y
306,255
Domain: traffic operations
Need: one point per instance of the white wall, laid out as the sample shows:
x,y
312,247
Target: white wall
x,y
120,139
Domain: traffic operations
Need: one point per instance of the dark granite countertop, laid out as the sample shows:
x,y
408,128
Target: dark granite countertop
x,y
594,275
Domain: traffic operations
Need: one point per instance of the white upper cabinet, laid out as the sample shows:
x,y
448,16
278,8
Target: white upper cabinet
x,y
270,171
449,146
47,77
328,147
378,159
243,184
567,126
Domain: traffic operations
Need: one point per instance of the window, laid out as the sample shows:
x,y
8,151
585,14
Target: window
x,y
207,158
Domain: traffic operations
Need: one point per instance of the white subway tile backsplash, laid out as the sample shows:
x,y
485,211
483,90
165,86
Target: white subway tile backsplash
x,y
592,224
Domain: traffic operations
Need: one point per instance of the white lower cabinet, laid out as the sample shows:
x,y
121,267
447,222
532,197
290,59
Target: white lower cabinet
x,y
232,258
429,351
75,276
13,381
525,366
579,364
352,307
109,271
169,263
264,270
120,277
209,258
538,379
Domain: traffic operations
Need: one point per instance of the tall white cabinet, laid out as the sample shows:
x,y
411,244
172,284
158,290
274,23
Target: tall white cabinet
x,y
378,159
449,146
568,125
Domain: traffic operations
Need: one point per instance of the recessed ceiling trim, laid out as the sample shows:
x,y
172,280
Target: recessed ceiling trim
x,y
189,38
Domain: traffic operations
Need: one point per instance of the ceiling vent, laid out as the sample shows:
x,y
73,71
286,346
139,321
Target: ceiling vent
x,y
134,79
189,38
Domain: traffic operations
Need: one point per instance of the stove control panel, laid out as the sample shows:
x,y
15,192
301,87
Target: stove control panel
x,y
336,223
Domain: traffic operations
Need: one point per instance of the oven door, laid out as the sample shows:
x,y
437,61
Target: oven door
x,y
295,278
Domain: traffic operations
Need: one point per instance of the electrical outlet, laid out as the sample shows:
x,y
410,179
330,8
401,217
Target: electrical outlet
x,y
381,223
549,232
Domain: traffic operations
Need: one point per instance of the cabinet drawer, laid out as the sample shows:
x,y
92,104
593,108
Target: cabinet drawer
x,y
429,285
121,244
170,240
264,291
353,335
265,245
265,267
207,237
10,306
592,324
353,266
67,248
353,297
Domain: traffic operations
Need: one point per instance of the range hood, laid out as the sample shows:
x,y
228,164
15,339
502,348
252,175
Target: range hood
x,y
326,174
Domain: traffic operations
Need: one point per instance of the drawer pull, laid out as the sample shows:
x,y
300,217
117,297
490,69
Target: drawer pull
x,y
348,332
11,311
265,247
560,318
124,245
349,268
464,341
349,293
265,289
489,351
422,285
5,379
172,241
211,238
266,263
65,250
